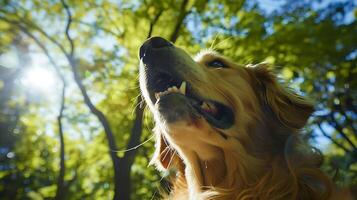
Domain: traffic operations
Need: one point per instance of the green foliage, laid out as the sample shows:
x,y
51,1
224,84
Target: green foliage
x,y
315,48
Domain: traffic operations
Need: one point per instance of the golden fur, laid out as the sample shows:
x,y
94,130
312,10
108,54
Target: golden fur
x,y
260,157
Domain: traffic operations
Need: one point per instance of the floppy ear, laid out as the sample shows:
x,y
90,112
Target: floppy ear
x,y
291,110
164,157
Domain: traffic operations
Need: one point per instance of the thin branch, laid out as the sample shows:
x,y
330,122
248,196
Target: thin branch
x,y
45,51
136,131
73,64
108,17
332,140
153,22
78,81
183,13
342,111
350,123
101,117
23,22
335,124
60,180
111,21
53,40
108,31
139,109
68,26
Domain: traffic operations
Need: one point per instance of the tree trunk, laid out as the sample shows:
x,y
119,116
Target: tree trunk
x,y
60,193
125,163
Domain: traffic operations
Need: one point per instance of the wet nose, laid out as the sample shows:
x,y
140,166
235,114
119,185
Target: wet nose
x,y
153,43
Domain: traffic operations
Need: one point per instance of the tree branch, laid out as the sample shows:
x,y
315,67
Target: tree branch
x,y
101,117
135,131
335,124
79,83
73,64
183,13
60,179
153,22
77,78
108,31
332,140
23,22
68,26
342,111
45,51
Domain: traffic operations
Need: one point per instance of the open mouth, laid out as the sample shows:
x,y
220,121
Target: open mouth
x,y
216,113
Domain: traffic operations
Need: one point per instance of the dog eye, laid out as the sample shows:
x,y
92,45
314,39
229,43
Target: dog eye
x,y
216,64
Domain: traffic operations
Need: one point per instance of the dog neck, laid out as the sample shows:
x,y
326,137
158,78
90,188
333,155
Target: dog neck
x,y
222,172
203,174
213,171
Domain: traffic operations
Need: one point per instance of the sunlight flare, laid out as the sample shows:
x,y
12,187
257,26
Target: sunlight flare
x,y
39,78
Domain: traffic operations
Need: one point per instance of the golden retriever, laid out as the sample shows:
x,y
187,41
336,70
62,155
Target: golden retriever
x,y
229,131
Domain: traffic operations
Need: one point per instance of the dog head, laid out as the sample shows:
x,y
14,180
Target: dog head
x,y
209,105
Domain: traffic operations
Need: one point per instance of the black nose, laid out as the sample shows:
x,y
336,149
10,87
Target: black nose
x,y
153,43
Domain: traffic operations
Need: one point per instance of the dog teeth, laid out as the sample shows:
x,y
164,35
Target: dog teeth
x,y
172,89
209,107
204,106
183,88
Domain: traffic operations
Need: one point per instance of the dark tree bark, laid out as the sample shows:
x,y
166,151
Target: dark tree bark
x,y
127,160
182,15
101,117
60,193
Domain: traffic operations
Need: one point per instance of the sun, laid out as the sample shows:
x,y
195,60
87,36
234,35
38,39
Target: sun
x,y
39,79
39,76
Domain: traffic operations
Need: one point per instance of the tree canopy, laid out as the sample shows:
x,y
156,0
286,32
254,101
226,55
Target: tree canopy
x,y
73,124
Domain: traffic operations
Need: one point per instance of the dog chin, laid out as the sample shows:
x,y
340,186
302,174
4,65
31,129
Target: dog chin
x,y
175,107
190,134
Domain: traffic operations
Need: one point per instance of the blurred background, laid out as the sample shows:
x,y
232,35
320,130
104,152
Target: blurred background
x,y
71,124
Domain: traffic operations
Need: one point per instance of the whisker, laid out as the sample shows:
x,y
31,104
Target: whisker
x,y
155,192
135,104
166,152
135,147
214,41
172,157
228,38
